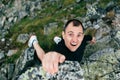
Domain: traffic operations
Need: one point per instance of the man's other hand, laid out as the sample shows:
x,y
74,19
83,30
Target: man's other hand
x,y
93,41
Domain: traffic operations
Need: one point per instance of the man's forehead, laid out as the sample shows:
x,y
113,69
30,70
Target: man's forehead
x,y
80,32
71,27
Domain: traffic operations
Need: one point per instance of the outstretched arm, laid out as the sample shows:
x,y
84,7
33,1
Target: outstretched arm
x,y
40,52
49,60
33,42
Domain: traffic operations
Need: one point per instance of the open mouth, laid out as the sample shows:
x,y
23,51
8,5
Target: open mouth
x,y
73,44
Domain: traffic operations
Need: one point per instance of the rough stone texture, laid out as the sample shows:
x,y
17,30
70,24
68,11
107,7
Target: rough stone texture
x,y
22,38
102,65
2,55
105,66
68,70
23,62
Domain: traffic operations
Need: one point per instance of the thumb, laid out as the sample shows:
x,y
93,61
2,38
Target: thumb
x,y
61,58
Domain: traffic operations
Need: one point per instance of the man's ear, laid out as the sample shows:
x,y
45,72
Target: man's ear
x,y
63,34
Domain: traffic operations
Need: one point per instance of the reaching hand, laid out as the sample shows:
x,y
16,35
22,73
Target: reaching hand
x,y
93,41
51,60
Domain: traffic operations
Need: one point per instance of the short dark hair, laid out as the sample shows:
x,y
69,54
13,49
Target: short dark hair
x,y
75,23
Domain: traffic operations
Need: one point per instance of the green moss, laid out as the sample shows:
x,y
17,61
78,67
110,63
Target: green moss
x,y
90,31
68,2
79,9
46,41
103,3
13,58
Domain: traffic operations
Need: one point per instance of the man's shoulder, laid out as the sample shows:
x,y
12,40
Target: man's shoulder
x,y
87,37
61,42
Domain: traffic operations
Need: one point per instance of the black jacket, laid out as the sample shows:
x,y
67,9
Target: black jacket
x,y
76,55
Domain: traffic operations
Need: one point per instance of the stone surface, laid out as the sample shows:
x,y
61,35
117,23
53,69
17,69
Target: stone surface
x,y
67,71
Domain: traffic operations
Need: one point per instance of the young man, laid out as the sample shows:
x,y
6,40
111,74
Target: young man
x,y
70,48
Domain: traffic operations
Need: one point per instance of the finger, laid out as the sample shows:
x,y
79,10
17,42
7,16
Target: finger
x,y
49,63
48,67
61,58
55,66
44,65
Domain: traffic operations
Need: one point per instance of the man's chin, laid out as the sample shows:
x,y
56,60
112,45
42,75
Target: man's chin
x,y
73,50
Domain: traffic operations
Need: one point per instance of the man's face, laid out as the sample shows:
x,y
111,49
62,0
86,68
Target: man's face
x,y
73,36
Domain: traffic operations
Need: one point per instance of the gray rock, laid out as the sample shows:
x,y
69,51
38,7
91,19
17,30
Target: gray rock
x,y
50,27
2,55
21,64
22,38
106,66
118,35
78,1
96,26
100,53
2,77
10,70
102,32
11,52
69,70
3,72
22,14
2,21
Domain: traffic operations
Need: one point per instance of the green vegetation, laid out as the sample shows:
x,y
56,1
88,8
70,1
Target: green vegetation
x,y
90,31
14,57
5,2
79,9
103,3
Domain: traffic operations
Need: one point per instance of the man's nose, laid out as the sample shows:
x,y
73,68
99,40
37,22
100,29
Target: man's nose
x,y
74,39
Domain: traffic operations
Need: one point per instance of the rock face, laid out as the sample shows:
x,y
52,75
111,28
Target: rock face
x,y
102,65
67,71
27,69
25,60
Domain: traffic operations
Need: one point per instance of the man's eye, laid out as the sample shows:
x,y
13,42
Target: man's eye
x,y
70,34
80,35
